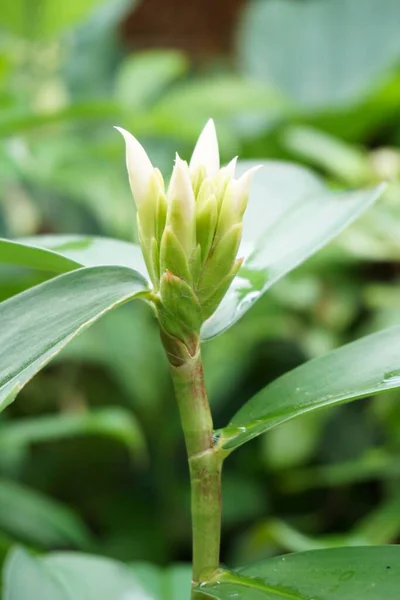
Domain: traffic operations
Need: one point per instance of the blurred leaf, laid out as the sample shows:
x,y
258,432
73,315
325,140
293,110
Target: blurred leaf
x,y
336,574
324,381
374,465
223,96
315,50
381,525
43,19
242,499
32,517
113,422
62,576
25,120
143,76
348,163
38,323
294,442
95,50
291,215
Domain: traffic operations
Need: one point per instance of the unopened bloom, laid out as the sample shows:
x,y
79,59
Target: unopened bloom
x,y
190,232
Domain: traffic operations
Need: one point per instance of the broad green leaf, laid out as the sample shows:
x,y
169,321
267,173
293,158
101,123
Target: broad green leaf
x,y
362,368
290,216
63,253
63,576
32,517
113,422
371,573
315,50
37,324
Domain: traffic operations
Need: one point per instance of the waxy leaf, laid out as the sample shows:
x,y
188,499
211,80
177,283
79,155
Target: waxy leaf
x,y
371,573
290,216
14,252
37,324
362,368
63,576
63,253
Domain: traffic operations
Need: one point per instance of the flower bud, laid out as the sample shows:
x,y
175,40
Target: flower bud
x,y
182,206
190,234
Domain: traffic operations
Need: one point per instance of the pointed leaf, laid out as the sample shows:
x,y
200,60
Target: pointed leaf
x,y
371,573
362,368
290,216
37,324
63,253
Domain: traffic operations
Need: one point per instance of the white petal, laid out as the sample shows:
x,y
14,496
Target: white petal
x,y
180,186
206,151
182,205
229,169
140,169
241,186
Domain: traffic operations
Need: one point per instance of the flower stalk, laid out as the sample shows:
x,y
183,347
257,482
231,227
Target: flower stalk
x,y
205,464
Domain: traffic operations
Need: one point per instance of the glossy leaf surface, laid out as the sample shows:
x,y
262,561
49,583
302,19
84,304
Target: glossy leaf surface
x,y
37,324
362,368
290,216
63,576
371,573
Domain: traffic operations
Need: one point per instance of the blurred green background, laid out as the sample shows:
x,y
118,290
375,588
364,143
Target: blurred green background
x,y
91,454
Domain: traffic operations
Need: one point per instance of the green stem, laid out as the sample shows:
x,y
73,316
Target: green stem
x,y
205,464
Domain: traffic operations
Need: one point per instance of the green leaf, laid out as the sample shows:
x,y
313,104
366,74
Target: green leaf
x,y
315,51
63,576
362,368
32,517
291,215
63,253
37,324
18,253
113,422
10,397
46,19
347,162
143,76
371,573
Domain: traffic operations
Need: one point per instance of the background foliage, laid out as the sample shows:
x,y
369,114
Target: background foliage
x,y
92,456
